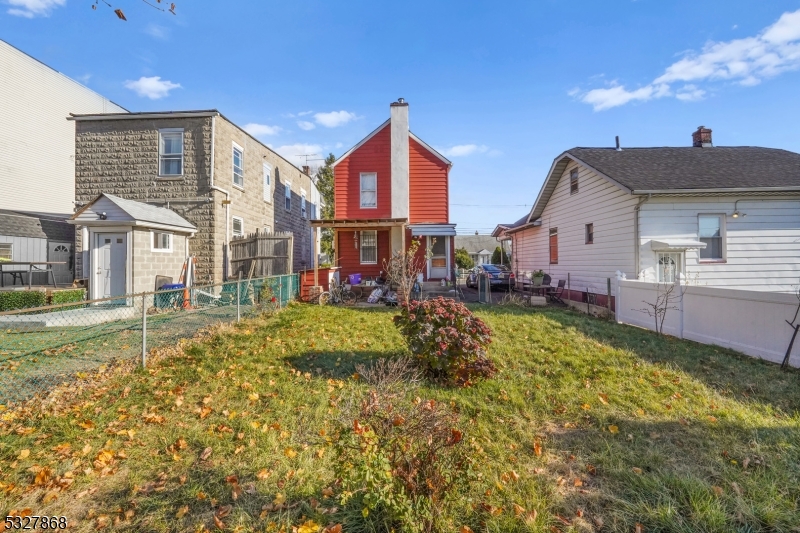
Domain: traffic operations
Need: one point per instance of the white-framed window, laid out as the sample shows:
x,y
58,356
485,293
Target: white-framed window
x,y
589,233
573,181
287,189
161,241
267,229
238,226
6,251
267,182
669,264
170,152
238,166
303,204
369,190
369,247
711,230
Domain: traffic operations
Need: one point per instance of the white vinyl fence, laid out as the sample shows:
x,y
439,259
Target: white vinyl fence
x,y
751,322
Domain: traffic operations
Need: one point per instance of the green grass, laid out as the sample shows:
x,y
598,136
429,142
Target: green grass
x,y
655,430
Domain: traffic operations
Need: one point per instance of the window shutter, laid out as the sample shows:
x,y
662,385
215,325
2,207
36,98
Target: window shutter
x,y
554,249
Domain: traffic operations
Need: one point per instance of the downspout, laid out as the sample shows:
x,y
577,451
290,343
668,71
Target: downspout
x,y
637,240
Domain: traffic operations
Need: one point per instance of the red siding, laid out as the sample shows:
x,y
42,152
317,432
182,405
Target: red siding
x,y
350,257
372,156
428,194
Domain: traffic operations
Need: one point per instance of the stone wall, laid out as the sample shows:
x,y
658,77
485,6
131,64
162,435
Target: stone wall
x,y
120,157
147,264
291,220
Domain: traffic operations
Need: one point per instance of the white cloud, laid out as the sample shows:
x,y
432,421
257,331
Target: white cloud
x,y
84,79
152,87
334,118
690,93
745,61
304,113
258,130
305,125
294,153
159,32
33,8
461,150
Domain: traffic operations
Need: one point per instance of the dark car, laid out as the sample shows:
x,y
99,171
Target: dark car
x,y
499,276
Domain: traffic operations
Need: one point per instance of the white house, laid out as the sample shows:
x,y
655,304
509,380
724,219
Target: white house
x,y
479,247
722,216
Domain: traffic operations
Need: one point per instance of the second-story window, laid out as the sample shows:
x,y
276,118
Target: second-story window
x,y
238,165
170,152
369,190
288,190
303,204
573,181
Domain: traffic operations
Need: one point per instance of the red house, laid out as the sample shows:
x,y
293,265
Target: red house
x,y
391,188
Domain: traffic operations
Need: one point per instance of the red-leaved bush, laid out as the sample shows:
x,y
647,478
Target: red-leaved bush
x,y
447,339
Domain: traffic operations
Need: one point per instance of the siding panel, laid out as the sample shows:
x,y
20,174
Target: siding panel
x,y
372,156
428,186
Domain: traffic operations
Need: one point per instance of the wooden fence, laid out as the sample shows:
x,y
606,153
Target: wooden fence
x,y
268,254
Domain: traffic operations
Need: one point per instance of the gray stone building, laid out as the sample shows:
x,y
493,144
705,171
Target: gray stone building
x,y
203,167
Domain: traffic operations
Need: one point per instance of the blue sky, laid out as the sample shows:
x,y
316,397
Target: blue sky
x,y
501,91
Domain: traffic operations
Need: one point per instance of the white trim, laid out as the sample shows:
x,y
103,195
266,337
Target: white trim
x,y
92,277
234,218
361,176
141,116
675,245
160,155
266,178
361,247
361,142
235,146
723,235
431,150
161,250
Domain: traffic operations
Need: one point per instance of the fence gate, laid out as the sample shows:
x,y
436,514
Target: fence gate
x,y
267,254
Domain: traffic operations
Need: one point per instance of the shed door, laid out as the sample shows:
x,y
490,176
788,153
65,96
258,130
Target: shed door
x,y
110,273
61,252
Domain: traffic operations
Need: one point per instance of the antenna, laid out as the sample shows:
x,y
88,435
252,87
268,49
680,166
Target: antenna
x,y
307,157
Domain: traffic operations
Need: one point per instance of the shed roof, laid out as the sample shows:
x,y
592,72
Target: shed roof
x,y
138,213
36,226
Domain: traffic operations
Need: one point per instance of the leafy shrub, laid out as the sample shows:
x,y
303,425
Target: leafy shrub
x,y
11,300
447,339
68,296
400,464
463,260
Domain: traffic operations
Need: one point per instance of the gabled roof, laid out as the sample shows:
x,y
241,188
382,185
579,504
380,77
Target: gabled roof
x,y
376,131
475,244
131,211
681,170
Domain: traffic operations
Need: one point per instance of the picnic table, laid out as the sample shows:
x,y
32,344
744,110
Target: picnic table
x,y
48,267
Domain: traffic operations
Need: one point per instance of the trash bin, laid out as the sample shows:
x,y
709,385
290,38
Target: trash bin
x,y
170,295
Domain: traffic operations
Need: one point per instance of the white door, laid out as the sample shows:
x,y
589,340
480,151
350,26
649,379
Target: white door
x,y
439,261
61,252
111,260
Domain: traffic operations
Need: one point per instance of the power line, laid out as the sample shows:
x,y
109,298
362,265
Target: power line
x,y
493,205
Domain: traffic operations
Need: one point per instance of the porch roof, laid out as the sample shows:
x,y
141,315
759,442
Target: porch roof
x,y
433,230
359,223
666,245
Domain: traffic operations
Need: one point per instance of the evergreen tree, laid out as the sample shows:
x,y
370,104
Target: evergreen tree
x,y
324,178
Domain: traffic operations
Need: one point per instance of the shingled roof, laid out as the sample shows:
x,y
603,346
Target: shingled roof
x,y
669,168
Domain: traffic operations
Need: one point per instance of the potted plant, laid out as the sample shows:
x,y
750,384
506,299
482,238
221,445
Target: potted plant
x,y
537,274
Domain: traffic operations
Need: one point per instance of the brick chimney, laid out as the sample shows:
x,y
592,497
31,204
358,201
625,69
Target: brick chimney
x,y
702,138
306,169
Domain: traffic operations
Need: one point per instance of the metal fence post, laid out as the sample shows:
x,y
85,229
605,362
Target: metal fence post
x,y
238,298
144,331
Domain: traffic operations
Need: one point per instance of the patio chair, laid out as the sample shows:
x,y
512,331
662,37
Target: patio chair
x,y
555,293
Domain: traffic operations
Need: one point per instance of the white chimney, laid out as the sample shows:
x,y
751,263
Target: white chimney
x,y
399,132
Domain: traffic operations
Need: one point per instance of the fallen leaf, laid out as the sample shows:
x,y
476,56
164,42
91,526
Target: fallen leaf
x,y
206,454
309,526
23,454
613,429
290,453
537,448
603,398
518,510
224,511
577,482
637,470
717,490
182,511
264,474
465,529
639,528
279,499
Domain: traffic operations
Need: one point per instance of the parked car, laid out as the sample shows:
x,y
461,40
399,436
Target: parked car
x,y
499,276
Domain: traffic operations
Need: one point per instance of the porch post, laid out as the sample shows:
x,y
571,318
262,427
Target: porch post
x,y
316,256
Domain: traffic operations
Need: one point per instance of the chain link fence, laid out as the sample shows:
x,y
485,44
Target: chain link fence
x,y
47,346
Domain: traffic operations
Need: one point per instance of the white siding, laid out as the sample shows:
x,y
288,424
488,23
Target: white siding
x,y
25,249
37,142
763,248
104,205
597,202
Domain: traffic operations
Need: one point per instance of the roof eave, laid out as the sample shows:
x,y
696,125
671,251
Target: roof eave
x,y
361,142
730,190
135,116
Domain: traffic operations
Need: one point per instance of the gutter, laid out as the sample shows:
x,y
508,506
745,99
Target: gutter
x,y
637,241
719,190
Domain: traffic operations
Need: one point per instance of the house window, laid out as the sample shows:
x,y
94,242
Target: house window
x,y
711,230
288,190
589,233
238,226
238,166
553,246
170,152
669,264
303,203
369,247
369,190
267,229
267,183
6,250
573,181
162,242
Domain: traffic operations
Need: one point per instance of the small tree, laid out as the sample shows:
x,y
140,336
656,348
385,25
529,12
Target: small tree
x,y
500,257
463,260
403,268
665,300
324,179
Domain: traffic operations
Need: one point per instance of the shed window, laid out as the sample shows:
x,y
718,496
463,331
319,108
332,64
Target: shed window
x,y
369,190
238,165
589,233
162,242
170,152
6,251
238,226
711,231
553,246
288,196
267,183
573,181
369,247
